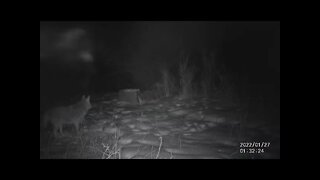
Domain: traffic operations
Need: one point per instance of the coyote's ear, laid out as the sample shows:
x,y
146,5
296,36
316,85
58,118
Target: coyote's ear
x,y
88,98
83,97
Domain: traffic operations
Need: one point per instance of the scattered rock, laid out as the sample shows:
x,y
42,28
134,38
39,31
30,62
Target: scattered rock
x,y
126,112
149,140
195,116
131,126
163,132
144,126
126,120
125,140
211,124
180,112
203,126
129,152
142,119
214,118
113,130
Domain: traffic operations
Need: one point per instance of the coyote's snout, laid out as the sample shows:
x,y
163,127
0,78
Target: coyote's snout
x,y
73,114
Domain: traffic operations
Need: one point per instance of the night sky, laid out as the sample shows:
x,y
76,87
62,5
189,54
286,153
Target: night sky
x,y
98,57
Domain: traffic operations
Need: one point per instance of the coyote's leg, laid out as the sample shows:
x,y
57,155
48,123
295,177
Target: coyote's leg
x,y
77,127
61,129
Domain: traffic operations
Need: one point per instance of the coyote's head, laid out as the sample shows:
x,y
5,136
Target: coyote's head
x,y
86,102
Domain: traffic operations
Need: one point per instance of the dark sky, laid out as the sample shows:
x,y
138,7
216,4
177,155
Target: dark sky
x,y
162,38
139,48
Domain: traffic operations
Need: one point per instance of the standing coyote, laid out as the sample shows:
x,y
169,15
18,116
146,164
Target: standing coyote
x,y
73,114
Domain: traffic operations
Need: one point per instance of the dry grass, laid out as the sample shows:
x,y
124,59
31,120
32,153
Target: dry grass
x,y
87,146
186,73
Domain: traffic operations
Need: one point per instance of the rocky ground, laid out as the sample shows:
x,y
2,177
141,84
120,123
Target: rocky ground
x,y
170,128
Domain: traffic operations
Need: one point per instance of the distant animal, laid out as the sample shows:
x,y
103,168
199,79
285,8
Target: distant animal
x,y
66,115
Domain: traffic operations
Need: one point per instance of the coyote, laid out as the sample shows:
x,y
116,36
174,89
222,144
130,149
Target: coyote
x,y
73,114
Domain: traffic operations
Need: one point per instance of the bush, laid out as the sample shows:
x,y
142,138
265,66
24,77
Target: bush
x,y
211,74
186,73
168,82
